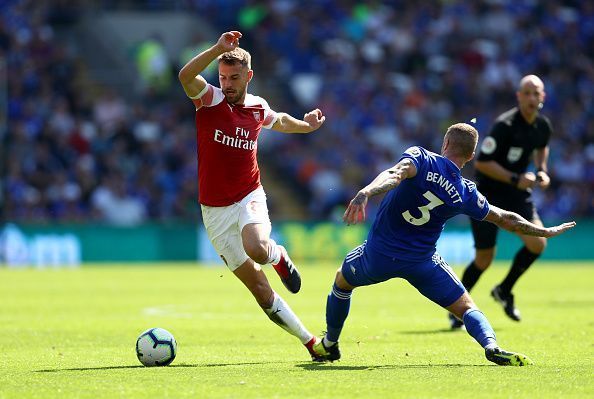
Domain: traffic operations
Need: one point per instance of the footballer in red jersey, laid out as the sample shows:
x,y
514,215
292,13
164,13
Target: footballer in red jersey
x,y
233,202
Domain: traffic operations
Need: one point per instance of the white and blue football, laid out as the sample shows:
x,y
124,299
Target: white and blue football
x,y
156,347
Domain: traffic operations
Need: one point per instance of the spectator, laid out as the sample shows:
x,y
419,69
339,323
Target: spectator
x,y
386,76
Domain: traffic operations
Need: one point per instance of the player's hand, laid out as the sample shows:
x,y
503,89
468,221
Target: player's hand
x,y
560,229
542,179
314,119
527,180
355,213
229,41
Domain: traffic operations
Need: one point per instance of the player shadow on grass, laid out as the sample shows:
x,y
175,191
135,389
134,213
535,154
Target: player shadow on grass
x,y
438,331
87,369
336,366
305,366
172,365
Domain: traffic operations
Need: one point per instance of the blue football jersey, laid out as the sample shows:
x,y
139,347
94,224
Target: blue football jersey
x,y
412,216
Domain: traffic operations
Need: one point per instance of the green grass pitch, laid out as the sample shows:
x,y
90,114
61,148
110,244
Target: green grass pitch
x,y
71,334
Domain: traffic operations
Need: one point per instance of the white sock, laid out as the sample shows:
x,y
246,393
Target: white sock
x,y
327,342
274,252
281,314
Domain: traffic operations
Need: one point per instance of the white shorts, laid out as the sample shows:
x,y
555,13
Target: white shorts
x,y
224,224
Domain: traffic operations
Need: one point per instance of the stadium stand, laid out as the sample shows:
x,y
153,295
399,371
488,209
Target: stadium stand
x,y
387,74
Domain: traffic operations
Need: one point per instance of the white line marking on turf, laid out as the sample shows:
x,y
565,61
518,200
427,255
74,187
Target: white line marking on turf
x,y
186,312
167,310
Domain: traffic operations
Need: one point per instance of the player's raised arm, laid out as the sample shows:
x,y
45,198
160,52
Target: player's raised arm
x,y
515,223
189,75
285,123
385,181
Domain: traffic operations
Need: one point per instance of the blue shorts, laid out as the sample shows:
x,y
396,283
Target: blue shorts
x,y
433,278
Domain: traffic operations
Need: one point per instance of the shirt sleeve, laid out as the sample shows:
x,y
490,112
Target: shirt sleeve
x,y
270,116
493,146
547,130
208,97
476,206
416,155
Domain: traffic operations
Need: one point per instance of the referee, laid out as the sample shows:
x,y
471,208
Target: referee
x,y
501,174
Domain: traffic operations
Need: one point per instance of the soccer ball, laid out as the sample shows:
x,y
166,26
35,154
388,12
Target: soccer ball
x,y
156,347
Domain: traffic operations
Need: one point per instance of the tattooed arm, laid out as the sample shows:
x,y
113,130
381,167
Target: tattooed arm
x,y
517,224
385,181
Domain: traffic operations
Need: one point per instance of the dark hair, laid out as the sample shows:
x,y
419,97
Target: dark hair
x,y
462,138
238,55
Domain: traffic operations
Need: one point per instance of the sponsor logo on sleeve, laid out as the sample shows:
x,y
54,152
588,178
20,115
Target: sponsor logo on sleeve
x,y
481,201
413,151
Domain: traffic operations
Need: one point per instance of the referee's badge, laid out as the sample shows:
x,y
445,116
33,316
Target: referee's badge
x,y
514,154
489,145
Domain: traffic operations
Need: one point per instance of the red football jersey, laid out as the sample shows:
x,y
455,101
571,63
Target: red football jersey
x,y
227,136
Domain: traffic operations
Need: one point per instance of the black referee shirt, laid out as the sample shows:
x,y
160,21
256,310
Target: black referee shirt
x,y
511,143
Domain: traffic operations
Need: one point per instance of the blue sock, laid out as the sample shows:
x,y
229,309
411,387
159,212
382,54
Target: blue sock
x,y
479,328
337,310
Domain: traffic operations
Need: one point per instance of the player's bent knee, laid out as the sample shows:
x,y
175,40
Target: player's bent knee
x,y
338,275
461,305
484,258
483,265
341,282
537,246
257,250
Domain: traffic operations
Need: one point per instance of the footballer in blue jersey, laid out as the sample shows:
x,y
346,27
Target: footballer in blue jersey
x,y
424,189
412,216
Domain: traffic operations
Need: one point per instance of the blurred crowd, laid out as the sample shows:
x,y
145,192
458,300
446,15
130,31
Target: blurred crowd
x,y
77,151
387,75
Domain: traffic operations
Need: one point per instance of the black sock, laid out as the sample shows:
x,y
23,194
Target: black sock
x,y
522,261
471,276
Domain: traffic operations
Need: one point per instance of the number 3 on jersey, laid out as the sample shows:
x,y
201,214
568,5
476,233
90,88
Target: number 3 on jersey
x,y
425,216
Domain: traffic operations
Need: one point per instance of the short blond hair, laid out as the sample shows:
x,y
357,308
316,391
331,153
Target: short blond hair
x,y
236,56
462,138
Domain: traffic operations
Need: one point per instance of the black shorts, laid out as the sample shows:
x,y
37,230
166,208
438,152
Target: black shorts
x,y
485,233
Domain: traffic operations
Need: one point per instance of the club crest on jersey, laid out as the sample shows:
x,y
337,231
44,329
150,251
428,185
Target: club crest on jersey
x,y
256,115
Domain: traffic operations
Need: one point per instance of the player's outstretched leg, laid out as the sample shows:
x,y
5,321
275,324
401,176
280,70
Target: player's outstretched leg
x,y
316,349
480,329
505,358
455,323
470,277
328,352
281,314
287,271
506,300
337,309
